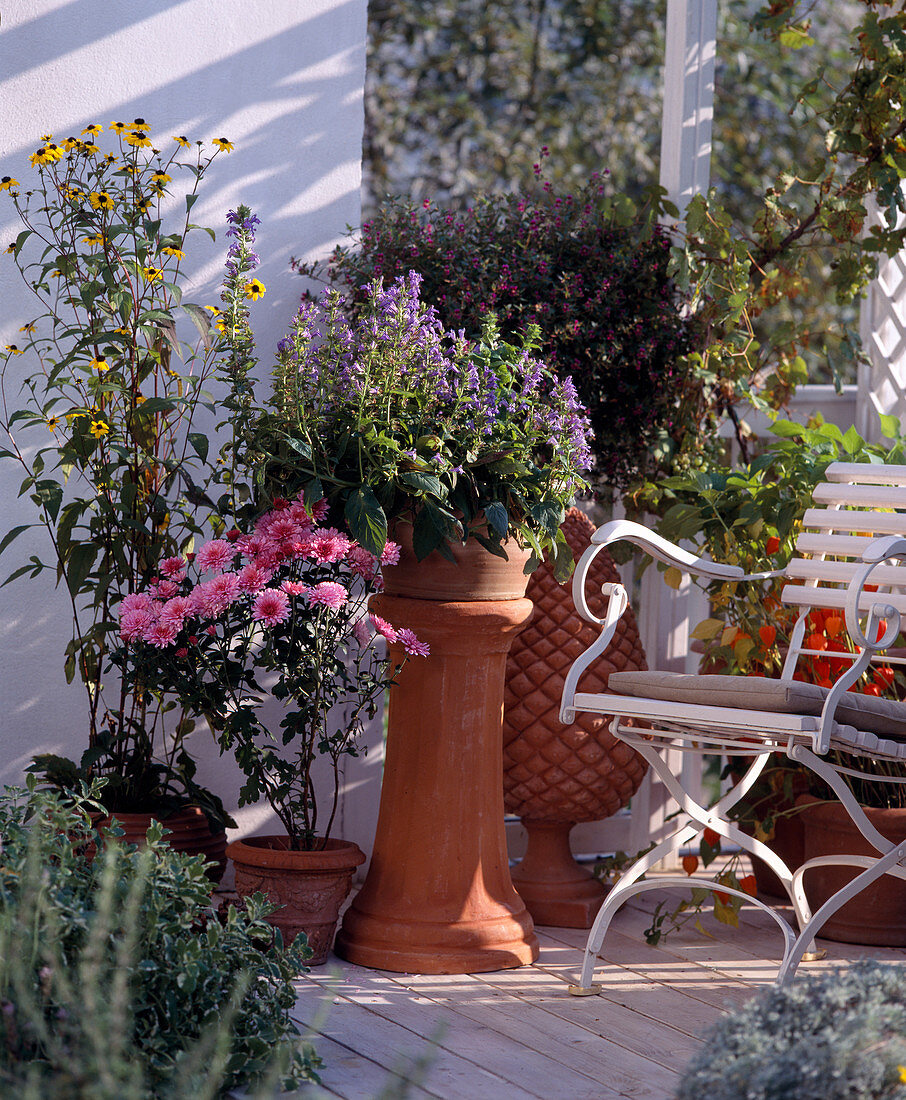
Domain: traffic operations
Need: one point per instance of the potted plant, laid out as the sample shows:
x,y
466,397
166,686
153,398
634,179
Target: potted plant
x,y
101,425
277,613
466,454
590,270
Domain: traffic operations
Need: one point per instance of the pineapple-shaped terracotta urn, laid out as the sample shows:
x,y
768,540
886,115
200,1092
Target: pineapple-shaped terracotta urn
x,y
554,775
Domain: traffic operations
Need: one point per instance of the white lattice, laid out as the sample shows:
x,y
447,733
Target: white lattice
x,y
882,382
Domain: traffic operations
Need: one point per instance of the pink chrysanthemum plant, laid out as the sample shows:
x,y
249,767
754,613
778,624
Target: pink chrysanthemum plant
x,y
277,613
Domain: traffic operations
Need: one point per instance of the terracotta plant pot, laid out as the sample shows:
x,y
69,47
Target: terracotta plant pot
x,y
189,831
309,887
875,917
554,775
438,898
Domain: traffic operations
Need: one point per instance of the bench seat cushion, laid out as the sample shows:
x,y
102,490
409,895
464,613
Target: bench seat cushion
x,y
865,712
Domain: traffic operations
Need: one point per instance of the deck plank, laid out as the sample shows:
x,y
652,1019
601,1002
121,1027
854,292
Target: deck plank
x,y
409,1001
530,1007
518,1035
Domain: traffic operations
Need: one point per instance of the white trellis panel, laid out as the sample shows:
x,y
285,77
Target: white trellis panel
x,y
882,382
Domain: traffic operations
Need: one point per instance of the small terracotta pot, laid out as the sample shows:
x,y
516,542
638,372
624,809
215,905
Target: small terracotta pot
x,y
188,831
875,917
308,887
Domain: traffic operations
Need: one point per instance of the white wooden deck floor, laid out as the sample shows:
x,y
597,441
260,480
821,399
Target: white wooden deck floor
x,y
516,1034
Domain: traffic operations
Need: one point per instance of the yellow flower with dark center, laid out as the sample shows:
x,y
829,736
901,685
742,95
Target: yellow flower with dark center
x,y
118,127
142,205
72,143
52,422
47,154
177,252
13,349
224,144
7,182
101,200
96,239
139,124
88,149
99,429
99,363
110,159
10,248
74,193
182,141
254,289
122,331
92,129
137,138
29,328
152,273
160,177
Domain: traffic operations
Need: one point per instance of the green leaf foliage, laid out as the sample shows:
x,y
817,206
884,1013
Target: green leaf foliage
x,y
117,979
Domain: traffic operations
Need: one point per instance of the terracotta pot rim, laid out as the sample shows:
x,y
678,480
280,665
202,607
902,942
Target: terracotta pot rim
x,y
270,850
831,810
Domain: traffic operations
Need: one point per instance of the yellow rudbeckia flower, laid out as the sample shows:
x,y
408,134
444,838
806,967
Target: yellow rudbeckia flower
x,y
99,429
152,273
224,144
101,200
14,349
177,252
29,328
52,422
7,183
182,141
255,289
137,138
99,363
96,239
118,127
160,177
92,129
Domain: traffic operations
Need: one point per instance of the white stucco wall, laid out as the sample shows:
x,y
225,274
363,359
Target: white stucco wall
x,y
282,79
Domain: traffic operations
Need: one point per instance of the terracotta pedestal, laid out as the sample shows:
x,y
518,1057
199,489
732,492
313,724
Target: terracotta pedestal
x,y
438,898
557,890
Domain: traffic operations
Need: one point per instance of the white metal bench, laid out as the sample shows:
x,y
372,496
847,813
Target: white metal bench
x,y
857,524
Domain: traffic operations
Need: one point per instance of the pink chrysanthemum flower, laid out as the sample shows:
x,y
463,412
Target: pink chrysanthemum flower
x,y
383,627
222,591
135,601
329,593
330,546
133,623
320,510
214,555
390,555
294,588
361,562
161,634
412,645
283,529
253,577
173,568
362,632
175,611
271,606
166,589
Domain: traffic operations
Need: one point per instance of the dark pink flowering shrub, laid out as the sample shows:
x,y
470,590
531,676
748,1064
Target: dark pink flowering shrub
x,y
280,611
589,271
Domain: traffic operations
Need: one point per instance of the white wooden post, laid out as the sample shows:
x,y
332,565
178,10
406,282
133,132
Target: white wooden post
x,y
666,617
